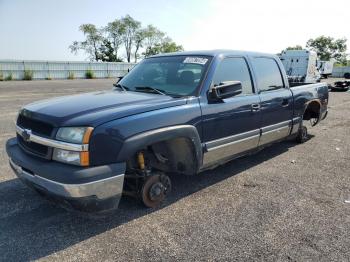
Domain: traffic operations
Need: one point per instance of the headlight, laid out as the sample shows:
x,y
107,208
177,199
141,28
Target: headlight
x,y
77,135
71,157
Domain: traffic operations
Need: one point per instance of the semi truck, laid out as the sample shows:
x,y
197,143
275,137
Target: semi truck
x,y
301,66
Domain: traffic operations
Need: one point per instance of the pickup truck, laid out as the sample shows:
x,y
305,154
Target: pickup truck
x,y
179,113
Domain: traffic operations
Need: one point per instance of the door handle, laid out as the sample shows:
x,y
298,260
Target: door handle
x,y
285,102
255,107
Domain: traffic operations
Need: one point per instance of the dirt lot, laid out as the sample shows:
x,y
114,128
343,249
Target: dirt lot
x,y
288,202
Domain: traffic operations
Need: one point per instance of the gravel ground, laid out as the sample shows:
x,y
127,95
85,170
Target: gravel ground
x,y
288,202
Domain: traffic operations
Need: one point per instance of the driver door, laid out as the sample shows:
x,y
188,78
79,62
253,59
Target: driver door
x,y
231,126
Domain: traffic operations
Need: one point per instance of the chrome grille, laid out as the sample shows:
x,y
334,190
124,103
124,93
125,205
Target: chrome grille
x,y
39,128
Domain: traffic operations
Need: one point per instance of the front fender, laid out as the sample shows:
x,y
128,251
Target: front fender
x,y
140,141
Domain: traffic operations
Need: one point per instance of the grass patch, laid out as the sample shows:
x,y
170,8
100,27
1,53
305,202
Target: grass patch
x,y
9,77
71,75
89,74
28,75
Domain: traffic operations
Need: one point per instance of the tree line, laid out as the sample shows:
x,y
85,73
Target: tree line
x,y
105,43
326,47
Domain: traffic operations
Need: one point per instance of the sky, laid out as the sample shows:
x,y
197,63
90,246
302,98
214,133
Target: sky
x,y
44,29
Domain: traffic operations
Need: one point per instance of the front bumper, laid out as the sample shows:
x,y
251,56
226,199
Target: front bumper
x,y
85,188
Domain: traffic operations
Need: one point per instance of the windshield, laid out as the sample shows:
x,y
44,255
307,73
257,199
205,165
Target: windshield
x,y
171,75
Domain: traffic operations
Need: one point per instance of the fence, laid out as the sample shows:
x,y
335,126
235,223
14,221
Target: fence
x,y
340,71
62,69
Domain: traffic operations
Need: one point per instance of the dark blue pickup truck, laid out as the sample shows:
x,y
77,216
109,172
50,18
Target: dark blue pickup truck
x,y
174,113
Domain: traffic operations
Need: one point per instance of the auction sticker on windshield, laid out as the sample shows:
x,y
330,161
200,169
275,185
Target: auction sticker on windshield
x,y
195,60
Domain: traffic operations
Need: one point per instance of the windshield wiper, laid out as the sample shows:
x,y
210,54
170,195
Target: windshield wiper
x,y
124,88
144,88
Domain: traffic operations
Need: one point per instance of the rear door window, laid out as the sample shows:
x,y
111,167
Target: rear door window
x,y
268,74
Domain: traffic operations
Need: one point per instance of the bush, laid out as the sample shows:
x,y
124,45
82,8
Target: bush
x,y
1,76
9,77
28,75
71,75
89,74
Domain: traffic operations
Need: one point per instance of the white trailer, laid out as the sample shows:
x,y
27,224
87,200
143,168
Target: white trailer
x,y
326,67
301,65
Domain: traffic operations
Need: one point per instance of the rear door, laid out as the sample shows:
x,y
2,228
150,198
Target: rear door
x,y
276,100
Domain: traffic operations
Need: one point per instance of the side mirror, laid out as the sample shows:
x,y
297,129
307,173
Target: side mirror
x,y
226,90
118,80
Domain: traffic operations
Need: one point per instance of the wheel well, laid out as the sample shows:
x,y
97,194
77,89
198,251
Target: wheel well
x,y
312,111
173,155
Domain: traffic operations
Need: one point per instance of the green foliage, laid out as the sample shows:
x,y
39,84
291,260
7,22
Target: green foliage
x,y
130,28
344,63
71,75
48,78
106,52
167,46
1,75
297,47
328,47
9,77
89,74
94,39
103,44
115,32
28,74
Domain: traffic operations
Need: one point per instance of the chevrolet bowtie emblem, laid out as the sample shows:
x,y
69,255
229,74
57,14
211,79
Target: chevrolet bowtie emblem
x,y
26,134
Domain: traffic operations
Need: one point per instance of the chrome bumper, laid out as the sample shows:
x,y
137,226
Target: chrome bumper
x,y
102,189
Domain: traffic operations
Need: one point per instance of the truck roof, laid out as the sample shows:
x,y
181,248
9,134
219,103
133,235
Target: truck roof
x,y
216,52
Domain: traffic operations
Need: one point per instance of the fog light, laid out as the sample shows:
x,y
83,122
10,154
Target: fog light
x,y
71,157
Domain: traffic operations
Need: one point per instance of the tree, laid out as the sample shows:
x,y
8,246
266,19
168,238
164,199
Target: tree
x,y
166,46
328,47
106,52
104,43
130,27
139,39
153,36
115,31
94,39
297,47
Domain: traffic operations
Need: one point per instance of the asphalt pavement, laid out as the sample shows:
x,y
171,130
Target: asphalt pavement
x,y
289,202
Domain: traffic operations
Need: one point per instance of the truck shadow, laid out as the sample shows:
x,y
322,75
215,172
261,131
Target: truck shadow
x,y
32,228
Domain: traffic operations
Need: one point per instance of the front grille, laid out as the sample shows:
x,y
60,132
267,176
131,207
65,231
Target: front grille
x,y
33,148
37,127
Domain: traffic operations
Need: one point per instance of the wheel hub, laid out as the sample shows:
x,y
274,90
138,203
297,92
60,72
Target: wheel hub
x,y
156,191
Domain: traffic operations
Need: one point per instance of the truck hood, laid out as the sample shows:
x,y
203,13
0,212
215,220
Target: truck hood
x,y
93,109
